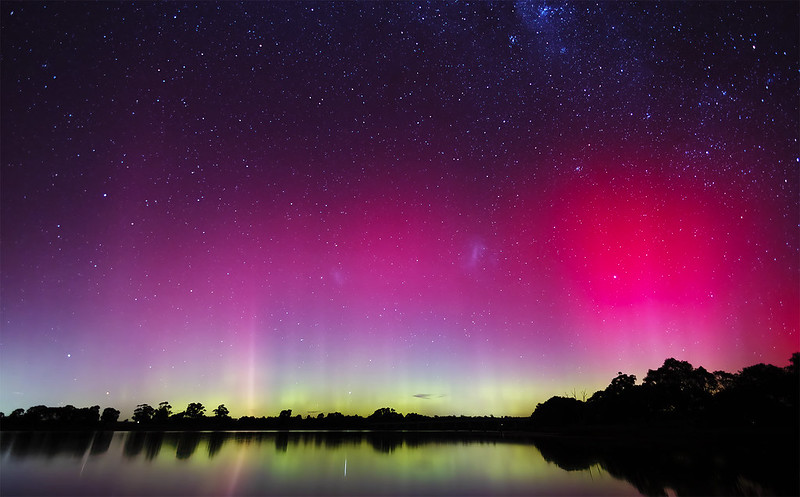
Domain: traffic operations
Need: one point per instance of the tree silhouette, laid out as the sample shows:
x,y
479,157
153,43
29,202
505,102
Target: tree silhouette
x,y
675,395
385,414
677,388
221,411
762,395
622,383
724,380
110,415
143,413
195,410
163,412
672,375
37,414
90,415
558,411
794,364
620,402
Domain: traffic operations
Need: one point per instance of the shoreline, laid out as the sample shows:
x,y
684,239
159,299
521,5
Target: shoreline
x,y
578,432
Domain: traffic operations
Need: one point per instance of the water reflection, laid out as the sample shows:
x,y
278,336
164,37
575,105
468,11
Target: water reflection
x,y
751,466
349,463
187,444
101,442
48,445
215,442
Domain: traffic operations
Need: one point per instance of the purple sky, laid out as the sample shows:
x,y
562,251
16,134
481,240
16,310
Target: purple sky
x,y
442,208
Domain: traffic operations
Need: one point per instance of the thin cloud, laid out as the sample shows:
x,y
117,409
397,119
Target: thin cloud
x,y
428,396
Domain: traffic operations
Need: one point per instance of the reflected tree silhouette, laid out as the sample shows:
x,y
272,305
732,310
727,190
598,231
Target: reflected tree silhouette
x,y
148,442
216,440
751,464
152,444
101,442
74,445
5,445
708,466
385,443
332,442
282,441
23,444
134,443
50,444
187,444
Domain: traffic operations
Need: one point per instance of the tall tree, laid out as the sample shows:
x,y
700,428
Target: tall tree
x,y
195,410
143,413
163,412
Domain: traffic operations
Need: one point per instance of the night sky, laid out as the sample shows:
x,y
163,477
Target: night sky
x,y
456,208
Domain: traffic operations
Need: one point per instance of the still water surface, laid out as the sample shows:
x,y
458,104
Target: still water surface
x,y
280,463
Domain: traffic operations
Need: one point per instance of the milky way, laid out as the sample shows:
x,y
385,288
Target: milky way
x,y
441,208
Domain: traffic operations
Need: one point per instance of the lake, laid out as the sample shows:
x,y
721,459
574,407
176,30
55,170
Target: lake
x,y
372,463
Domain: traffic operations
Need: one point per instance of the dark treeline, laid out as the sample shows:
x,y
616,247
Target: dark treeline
x,y
676,395
146,417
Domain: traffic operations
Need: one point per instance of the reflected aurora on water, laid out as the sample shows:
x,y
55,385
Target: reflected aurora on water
x,y
363,463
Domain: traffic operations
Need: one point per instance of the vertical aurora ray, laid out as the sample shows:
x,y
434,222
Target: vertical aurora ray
x,y
250,391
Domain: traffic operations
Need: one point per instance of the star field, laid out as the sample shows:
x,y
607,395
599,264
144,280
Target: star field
x,y
444,208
